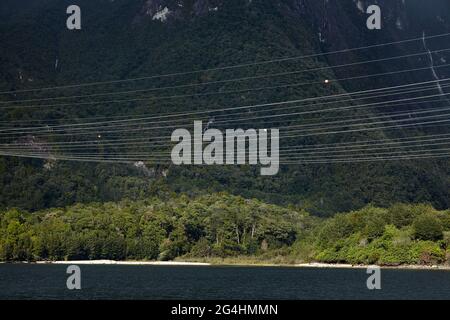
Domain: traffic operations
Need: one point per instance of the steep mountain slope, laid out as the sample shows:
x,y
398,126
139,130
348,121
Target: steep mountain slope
x,y
132,39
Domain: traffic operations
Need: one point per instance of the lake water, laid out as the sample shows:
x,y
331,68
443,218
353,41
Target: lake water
x,y
24,281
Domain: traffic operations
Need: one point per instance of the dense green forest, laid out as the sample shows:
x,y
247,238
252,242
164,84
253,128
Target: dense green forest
x,y
221,226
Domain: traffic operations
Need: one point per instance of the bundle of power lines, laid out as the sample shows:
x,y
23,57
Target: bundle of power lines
x,y
116,138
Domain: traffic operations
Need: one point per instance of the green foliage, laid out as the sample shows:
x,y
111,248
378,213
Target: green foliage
x,y
428,227
157,228
221,226
427,252
402,234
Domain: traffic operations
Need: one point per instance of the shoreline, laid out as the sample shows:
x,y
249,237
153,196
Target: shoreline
x,y
126,263
350,266
312,265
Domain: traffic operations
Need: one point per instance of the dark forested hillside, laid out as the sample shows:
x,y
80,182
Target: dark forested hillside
x,y
124,39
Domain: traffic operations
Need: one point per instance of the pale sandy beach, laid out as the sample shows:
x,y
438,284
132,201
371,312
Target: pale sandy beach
x,y
350,266
183,263
130,263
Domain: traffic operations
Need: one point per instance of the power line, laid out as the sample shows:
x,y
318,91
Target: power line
x,y
16,131
283,152
288,161
294,134
220,81
225,67
142,129
401,142
271,105
147,99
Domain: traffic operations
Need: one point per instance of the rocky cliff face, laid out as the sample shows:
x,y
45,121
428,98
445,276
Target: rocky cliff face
x,y
345,20
166,10
325,14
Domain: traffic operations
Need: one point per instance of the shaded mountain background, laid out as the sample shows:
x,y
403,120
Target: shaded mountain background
x,y
127,39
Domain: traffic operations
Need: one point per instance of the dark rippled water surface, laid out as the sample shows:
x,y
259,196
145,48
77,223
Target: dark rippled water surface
x,y
26,281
